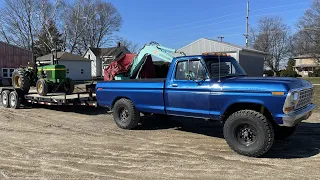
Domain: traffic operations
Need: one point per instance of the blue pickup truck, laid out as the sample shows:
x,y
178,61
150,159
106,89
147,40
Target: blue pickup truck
x,y
255,110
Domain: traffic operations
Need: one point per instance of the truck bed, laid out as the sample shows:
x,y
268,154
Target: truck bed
x,y
146,94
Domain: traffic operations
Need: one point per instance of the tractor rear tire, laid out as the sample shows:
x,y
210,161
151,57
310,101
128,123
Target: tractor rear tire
x,y
21,80
69,86
42,87
5,98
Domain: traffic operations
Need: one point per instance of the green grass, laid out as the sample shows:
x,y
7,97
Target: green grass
x,y
316,98
313,80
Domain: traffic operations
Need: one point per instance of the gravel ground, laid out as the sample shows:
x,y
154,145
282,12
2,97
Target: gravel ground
x,y
85,143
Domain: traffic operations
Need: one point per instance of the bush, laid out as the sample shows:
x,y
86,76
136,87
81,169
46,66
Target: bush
x,y
316,73
288,73
268,72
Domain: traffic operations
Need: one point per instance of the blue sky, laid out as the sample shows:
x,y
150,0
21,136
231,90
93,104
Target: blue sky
x,y
176,23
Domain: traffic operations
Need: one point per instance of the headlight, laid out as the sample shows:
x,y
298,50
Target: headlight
x,y
291,101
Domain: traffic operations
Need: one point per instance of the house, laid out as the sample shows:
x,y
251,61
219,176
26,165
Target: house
x,y
305,64
12,57
251,60
78,67
102,57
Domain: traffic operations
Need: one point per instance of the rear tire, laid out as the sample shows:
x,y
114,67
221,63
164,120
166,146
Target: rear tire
x,y
248,133
5,98
21,80
69,86
125,114
42,87
14,100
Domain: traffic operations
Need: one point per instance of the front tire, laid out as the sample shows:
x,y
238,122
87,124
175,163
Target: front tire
x,y
68,86
5,98
42,87
248,133
125,114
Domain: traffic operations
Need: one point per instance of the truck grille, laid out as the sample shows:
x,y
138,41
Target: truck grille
x,y
305,98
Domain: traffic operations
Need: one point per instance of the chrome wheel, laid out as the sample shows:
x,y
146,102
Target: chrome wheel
x,y
123,114
13,100
4,100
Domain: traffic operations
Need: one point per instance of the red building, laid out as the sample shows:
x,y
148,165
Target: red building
x,y
12,57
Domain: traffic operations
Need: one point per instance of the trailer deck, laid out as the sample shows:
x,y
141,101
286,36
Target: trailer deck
x,y
85,98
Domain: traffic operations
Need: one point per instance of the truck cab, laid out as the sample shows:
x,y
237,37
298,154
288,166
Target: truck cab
x,y
254,110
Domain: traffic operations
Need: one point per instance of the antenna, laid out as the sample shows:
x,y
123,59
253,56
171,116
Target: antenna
x,y
219,68
220,37
247,24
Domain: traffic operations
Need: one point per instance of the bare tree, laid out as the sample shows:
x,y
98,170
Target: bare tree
x,y
272,36
18,21
91,23
307,39
132,47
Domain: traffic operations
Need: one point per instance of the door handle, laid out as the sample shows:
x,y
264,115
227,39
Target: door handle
x,y
174,85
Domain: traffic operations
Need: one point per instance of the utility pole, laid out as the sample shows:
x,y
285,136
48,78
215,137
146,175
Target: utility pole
x,y
220,37
247,24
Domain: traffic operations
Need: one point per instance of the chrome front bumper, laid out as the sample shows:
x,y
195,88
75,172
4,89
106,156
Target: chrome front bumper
x,y
296,117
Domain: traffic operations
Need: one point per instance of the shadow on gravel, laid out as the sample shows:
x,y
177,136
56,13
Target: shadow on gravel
x,y
87,110
199,126
305,142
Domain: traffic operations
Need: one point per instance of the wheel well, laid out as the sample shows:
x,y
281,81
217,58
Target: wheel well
x,y
252,106
116,99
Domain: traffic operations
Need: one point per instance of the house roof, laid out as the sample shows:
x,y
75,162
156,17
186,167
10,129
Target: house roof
x,y
112,51
63,56
304,56
241,48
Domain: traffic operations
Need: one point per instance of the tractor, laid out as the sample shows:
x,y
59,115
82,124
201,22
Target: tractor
x,y
47,78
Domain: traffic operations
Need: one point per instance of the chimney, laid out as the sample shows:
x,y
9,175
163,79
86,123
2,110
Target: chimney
x,y
118,44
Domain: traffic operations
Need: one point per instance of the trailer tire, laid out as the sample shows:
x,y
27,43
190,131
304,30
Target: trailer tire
x,y
14,100
248,133
42,87
125,115
5,98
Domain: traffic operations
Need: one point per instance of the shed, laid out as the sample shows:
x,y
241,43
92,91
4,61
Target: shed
x,y
12,57
102,57
78,67
251,60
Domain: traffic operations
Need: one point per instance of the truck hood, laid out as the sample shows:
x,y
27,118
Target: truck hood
x,y
265,83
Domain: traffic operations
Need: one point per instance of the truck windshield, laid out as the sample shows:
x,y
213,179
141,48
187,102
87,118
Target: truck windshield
x,y
229,67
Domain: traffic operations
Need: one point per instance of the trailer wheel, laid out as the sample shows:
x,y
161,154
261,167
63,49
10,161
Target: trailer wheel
x,y
125,114
14,100
248,133
42,87
5,98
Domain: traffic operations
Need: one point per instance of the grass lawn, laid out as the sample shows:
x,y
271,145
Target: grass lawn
x,y
313,80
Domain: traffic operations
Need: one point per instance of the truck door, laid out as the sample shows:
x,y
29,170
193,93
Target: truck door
x,y
187,93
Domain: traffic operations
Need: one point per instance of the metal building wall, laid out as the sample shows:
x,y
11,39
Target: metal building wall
x,y
13,57
204,45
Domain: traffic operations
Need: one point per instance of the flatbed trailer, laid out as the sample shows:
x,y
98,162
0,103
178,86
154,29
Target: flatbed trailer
x,y
13,98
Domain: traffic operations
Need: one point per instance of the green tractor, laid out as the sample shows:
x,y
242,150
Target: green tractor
x,y
47,78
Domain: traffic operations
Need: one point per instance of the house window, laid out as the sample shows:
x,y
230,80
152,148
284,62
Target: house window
x,y
67,71
82,71
7,72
